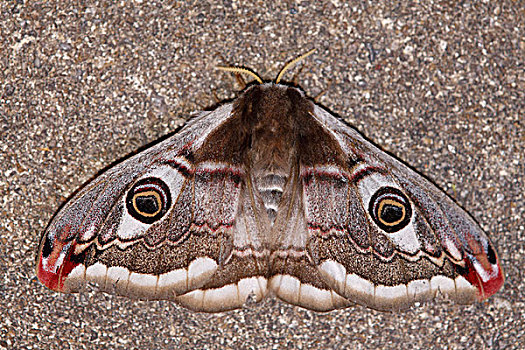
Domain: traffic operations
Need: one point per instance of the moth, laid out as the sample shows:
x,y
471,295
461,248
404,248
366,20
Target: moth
x,y
270,194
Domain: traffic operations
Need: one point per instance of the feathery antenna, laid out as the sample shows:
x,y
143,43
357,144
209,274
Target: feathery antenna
x,y
291,63
241,71
254,75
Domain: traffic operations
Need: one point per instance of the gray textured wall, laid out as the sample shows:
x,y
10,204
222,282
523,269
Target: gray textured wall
x,y
81,86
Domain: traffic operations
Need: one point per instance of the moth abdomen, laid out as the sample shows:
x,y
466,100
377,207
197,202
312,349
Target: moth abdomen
x,y
270,187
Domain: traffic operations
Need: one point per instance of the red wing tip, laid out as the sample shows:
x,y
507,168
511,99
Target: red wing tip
x,y
48,278
55,263
491,286
487,278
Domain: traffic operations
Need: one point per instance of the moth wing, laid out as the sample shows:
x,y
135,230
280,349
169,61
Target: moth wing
x,y
294,275
243,273
109,233
421,243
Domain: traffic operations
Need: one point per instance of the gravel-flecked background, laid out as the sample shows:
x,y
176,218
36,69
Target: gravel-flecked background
x,y
439,84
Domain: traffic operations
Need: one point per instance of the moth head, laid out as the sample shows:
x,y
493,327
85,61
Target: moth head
x,y
148,200
390,209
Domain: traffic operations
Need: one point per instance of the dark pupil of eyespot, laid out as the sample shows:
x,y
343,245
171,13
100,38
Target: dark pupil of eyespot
x,y
147,204
391,213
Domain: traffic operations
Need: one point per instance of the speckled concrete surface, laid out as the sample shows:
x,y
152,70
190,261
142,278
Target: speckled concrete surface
x,y
439,84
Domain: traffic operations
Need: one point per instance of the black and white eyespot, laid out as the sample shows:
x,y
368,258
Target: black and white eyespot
x,y
390,209
148,200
